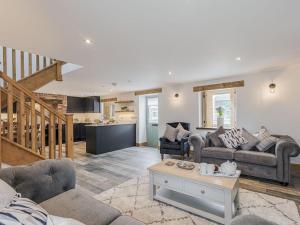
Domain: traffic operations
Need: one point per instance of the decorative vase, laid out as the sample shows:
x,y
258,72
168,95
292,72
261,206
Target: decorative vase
x,y
220,121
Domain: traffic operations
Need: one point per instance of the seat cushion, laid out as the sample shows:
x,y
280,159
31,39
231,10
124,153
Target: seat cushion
x,y
259,158
126,220
218,153
170,145
80,206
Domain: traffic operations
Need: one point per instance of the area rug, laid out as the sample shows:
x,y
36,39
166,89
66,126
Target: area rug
x,y
132,198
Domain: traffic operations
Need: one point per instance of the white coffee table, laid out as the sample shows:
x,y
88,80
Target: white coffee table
x,y
215,198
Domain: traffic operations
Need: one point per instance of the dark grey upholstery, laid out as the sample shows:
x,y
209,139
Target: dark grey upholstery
x,y
80,206
178,147
51,183
251,220
253,163
41,181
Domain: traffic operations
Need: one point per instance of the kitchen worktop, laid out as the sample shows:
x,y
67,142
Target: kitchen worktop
x,y
103,124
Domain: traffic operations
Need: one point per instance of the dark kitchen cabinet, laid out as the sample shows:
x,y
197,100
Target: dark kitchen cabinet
x,y
79,131
83,104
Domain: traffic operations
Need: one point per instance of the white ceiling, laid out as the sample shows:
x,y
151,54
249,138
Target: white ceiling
x,y
137,42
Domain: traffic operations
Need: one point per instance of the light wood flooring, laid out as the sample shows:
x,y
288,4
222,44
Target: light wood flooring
x,y
96,174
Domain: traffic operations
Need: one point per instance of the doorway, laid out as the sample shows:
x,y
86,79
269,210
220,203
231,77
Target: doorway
x,y
152,121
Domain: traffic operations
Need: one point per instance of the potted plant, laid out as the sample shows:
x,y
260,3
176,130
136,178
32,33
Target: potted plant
x,y
220,116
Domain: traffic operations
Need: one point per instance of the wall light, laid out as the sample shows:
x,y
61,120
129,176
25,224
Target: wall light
x,y
176,95
272,87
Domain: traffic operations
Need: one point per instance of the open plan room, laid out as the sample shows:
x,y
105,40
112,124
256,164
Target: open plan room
x,y
138,112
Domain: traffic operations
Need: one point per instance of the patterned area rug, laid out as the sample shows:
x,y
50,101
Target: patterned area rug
x,y
131,198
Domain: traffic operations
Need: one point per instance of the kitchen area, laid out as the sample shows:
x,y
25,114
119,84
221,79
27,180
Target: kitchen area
x,y
105,125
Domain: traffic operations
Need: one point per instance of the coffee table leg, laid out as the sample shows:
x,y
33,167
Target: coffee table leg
x,y
151,187
228,207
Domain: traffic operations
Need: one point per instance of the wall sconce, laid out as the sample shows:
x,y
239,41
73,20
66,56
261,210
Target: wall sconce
x,y
176,95
272,87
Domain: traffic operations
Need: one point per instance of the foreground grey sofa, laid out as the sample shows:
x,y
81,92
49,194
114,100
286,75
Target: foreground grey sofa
x,y
51,183
274,166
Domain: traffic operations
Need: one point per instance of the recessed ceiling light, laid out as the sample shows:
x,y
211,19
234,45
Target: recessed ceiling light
x,y
238,59
88,41
170,73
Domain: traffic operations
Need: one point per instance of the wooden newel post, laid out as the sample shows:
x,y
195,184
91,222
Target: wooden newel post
x,y
69,135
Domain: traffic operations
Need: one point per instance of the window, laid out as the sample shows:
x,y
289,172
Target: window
x,y
219,108
152,109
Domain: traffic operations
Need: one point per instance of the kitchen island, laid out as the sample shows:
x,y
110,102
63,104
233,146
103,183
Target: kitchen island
x,y
102,138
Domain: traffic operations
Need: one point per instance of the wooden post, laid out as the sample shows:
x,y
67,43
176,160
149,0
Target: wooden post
x,y
14,68
10,111
21,120
69,136
27,137
58,71
33,127
43,134
52,136
59,138
37,62
22,65
29,64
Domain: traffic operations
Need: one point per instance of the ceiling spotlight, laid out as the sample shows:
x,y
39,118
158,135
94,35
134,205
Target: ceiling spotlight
x,y
170,73
88,41
238,59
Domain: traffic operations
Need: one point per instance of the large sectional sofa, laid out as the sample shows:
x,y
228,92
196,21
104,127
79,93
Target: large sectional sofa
x,y
270,165
51,183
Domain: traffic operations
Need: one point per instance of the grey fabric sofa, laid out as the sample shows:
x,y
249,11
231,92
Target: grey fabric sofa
x,y
51,183
274,166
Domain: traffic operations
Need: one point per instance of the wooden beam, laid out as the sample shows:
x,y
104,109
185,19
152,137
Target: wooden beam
x,y
22,65
149,91
234,84
109,100
58,71
14,68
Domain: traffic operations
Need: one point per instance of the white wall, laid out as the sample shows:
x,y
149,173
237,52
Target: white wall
x,y
256,106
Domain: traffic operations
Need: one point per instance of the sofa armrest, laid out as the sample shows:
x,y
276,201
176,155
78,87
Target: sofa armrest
x,y
198,144
42,180
285,148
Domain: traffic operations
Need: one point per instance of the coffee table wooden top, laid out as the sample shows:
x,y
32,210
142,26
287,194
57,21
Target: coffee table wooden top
x,y
223,182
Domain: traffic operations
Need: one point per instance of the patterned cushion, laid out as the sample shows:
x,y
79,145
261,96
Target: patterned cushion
x,y
10,193
170,133
266,140
233,138
182,133
23,211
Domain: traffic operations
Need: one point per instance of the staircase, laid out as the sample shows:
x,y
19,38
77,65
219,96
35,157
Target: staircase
x,y
31,129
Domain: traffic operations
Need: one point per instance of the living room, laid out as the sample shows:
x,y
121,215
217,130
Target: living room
x,y
149,112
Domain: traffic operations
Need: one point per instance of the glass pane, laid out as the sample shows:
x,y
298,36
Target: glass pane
x,y
152,110
223,101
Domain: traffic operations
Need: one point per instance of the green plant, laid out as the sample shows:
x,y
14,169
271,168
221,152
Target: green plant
x,y
220,111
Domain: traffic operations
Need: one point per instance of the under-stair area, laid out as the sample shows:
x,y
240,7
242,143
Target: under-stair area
x,y
31,129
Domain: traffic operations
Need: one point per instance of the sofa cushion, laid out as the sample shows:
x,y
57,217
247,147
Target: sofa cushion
x,y
252,140
214,137
170,133
80,206
233,138
218,153
126,220
260,158
182,133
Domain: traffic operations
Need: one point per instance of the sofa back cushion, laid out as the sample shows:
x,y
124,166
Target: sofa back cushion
x,y
266,141
170,133
252,140
214,137
233,138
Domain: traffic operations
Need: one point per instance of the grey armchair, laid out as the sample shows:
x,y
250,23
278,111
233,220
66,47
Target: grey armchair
x,y
178,147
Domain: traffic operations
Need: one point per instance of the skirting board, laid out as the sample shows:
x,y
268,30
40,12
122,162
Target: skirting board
x,y
141,144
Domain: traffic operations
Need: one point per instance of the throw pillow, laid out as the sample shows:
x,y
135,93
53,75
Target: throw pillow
x,y
182,133
23,211
214,137
233,138
266,140
170,133
252,140
7,193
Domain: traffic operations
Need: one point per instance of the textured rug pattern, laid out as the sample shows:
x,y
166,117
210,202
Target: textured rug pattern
x,y
132,198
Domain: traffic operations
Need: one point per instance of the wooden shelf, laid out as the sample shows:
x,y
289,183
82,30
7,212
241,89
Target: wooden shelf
x,y
123,111
124,102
